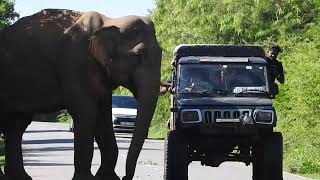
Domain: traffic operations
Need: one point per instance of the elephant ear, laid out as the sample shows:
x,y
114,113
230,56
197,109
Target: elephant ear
x,y
103,44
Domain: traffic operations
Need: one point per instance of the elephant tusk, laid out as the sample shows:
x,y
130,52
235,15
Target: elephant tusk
x,y
137,49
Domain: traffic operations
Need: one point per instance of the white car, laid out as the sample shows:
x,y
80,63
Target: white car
x,y
124,113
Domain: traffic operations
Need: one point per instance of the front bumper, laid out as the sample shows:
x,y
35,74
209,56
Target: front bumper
x,y
124,124
117,128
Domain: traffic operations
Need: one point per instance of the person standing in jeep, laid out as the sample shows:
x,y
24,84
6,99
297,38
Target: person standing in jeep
x,y
276,68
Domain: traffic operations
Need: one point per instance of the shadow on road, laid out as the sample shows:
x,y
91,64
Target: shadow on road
x,y
46,164
62,141
47,149
45,131
48,141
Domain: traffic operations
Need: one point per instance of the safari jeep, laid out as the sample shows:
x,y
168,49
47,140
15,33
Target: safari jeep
x,y
222,111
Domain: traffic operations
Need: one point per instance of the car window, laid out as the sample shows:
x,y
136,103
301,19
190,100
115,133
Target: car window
x,y
124,102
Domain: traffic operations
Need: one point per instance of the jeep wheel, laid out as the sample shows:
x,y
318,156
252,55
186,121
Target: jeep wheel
x,y
176,156
267,158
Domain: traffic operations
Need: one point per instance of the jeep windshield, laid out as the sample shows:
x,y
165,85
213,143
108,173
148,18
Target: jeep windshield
x,y
236,79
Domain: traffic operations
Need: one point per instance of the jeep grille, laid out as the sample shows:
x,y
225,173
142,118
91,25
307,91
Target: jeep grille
x,y
225,115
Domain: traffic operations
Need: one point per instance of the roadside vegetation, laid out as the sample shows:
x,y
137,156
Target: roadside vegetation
x,y
293,24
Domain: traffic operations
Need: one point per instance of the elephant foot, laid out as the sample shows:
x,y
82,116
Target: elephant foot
x,y
84,177
23,176
106,175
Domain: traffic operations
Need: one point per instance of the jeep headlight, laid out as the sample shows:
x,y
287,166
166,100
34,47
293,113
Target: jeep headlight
x,y
263,116
191,116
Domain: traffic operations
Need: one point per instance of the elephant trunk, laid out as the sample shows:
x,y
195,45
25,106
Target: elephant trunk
x,y
147,98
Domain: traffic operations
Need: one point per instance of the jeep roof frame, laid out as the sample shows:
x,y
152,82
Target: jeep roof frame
x,y
217,50
206,59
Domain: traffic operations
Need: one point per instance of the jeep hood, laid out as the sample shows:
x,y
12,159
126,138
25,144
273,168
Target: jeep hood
x,y
225,101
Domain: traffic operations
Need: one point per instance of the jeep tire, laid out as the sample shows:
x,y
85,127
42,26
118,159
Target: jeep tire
x,y
267,158
176,156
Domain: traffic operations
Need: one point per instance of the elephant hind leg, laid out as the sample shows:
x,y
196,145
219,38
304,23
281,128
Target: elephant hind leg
x,y
105,138
13,131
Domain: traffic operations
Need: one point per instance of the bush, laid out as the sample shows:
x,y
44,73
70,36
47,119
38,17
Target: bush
x,y
298,107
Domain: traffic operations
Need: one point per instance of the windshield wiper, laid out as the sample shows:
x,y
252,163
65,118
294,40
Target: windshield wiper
x,y
252,91
214,91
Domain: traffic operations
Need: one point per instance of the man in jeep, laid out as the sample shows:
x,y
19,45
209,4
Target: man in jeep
x,y
196,80
276,68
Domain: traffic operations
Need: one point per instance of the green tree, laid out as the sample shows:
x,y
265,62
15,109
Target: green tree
x,y
232,21
7,13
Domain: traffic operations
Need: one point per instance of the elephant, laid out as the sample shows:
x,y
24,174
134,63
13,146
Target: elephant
x,y
64,59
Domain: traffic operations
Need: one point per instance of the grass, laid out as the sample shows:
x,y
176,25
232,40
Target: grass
x,y
286,168
312,176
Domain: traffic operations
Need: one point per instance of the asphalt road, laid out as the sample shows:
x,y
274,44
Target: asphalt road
x,y
48,155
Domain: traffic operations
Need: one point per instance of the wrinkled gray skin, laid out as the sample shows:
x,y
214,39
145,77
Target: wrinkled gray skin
x,y
58,59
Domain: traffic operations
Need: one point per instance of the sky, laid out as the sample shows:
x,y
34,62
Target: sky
x,y
112,8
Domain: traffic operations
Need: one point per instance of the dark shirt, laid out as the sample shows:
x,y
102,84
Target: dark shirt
x,y
275,70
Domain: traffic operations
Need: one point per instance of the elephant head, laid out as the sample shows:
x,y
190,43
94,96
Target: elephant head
x,y
129,48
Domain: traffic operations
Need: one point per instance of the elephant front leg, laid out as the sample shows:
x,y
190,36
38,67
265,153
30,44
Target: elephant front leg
x,y
14,169
106,141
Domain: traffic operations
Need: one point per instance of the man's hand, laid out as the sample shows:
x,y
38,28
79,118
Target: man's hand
x,y
163,90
